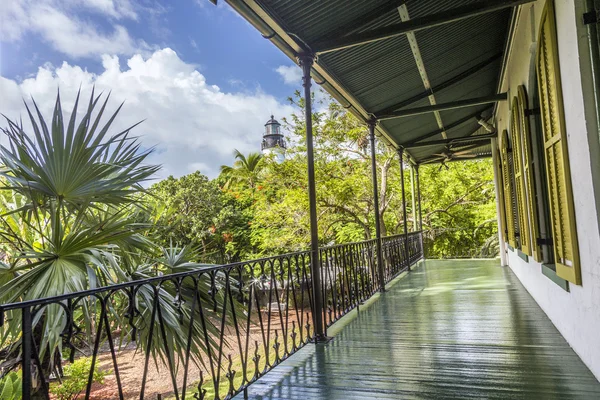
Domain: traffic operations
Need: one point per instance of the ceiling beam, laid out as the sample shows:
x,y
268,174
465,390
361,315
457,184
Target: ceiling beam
x,y
455,79
425,22
444,106
414,46
432,161
447,142
447,127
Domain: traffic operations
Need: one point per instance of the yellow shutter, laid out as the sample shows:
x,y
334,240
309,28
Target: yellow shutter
x,y
528,174
500,199
562,213
516,134
506,182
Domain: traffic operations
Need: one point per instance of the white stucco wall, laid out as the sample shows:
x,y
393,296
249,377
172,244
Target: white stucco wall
x,y
576,314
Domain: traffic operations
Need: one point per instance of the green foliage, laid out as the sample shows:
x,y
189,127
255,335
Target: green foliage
x,y
459,209
11,386
185,211
245,170
69,188
71,202
458,203
75,379
194,211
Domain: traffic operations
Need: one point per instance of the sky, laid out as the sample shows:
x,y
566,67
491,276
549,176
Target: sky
x,y
203,79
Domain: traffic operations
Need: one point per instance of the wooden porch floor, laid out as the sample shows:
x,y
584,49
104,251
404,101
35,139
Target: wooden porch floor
x,y
450,329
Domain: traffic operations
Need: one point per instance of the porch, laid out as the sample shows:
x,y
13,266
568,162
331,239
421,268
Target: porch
x,y
448,329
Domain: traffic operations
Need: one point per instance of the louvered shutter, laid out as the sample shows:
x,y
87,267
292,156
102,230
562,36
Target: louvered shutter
x,y
520,197
506,181
555,151
500,199
528,174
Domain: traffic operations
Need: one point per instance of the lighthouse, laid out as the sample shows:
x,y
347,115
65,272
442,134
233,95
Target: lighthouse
x,y
273,141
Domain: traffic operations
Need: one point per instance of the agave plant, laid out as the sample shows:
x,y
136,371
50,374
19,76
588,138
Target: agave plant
x,y
69,194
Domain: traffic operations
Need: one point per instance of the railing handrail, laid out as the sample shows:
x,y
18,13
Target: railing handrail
x,y
169,277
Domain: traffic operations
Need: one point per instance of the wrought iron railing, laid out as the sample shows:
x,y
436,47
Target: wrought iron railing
x,y
210,332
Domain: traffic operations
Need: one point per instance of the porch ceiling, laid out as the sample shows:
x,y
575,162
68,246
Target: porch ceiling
x,y
411,60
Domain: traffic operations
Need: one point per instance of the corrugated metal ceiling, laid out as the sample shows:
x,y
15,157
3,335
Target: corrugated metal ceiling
x,y
380,74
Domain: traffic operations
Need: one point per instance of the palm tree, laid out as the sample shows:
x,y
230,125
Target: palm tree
x,y
69,194
245,170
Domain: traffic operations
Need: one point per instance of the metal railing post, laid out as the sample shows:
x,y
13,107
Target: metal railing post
x,y
372,124
401,154
306,61
27,352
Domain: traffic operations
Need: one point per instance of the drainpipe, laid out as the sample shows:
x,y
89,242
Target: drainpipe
x,y
401,155
497,188
306,62
591,19
372,124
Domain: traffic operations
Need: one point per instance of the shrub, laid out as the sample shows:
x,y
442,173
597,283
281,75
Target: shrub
x,y
10,386
75,379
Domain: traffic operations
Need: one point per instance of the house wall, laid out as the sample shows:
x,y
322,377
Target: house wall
x,y
576,314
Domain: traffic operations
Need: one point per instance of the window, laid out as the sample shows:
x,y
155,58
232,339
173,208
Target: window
x,y
562,215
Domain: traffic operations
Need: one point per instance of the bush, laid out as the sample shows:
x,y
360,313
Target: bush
x,y
75,379
11,386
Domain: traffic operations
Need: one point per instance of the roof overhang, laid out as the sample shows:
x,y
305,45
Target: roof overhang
x,y
427,70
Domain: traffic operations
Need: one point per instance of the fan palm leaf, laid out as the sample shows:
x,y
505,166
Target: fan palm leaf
x,y
245,170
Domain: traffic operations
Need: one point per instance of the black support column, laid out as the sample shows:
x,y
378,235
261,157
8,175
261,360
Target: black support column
x,y
376,206
401,155
420,213
306,62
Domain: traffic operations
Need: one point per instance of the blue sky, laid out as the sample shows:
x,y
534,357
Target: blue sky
x,y
205,80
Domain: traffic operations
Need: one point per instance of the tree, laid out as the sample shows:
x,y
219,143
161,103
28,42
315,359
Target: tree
x,y
194,211
73,189
459,209
343,178
245,170
185,211
71,199
345,192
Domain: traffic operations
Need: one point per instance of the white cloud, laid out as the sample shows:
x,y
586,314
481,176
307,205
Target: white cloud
x,y
114,8
192,123
57,24
291,74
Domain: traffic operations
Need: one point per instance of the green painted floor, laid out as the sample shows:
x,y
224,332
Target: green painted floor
x,y
450,329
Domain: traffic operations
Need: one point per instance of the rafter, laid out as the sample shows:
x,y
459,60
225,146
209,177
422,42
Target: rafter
x,y
464,139
447,127
416,51
435,89
445,106
439,160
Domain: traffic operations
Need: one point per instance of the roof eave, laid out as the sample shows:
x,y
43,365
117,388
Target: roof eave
x,y
273,31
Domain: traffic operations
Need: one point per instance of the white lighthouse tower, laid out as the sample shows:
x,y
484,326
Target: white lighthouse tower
x,y
273,141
